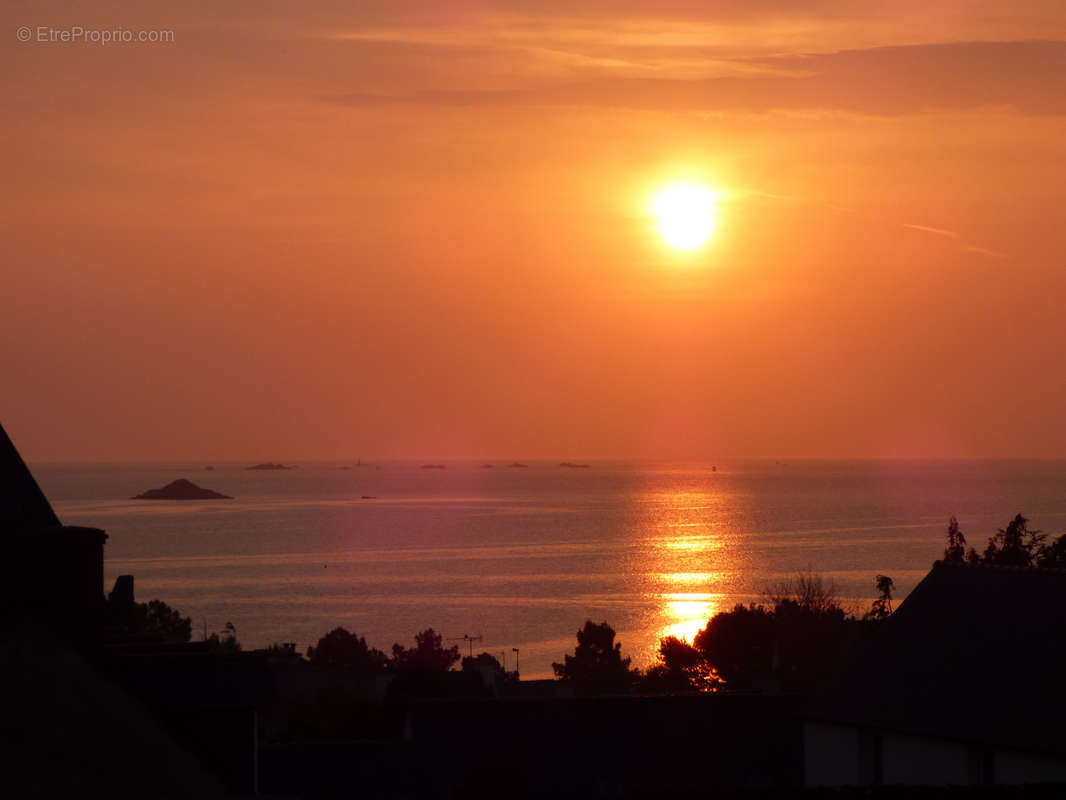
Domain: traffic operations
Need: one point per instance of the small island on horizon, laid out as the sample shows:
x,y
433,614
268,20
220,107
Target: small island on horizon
x,y
181,489
572,465
269,465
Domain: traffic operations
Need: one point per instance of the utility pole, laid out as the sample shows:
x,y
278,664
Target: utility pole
x,y
515,651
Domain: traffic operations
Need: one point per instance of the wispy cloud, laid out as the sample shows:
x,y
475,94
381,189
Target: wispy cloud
x,y
931,229
965,246
1027,76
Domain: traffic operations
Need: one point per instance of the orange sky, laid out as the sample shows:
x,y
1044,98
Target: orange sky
x,y
419,230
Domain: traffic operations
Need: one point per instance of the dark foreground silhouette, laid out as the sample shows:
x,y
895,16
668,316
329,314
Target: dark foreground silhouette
x,y
959,685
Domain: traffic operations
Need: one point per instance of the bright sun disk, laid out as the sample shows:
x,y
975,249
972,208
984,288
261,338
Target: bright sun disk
x,y
685,214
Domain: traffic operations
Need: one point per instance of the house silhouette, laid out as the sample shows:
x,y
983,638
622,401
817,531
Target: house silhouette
x,y
54,571
963,685
69,724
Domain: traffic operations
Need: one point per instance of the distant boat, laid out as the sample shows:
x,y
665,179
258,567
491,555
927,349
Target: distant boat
x,y
488,466
368,497
714,468
269,465
209,468
182,489
572,465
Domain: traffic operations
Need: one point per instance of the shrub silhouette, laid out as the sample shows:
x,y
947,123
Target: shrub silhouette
x,y
340,649
597,665
428,654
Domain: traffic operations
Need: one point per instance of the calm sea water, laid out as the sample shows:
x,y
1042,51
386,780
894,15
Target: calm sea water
x,y
522,557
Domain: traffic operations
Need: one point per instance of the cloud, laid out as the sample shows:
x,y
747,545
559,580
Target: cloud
x,y
930,229
965,246
1029,76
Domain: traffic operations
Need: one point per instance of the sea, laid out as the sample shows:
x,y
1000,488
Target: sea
x,y
512,560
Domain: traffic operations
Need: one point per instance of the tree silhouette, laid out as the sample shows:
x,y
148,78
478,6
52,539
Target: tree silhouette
x,y
226,641
1053,556
882,606
597,665
794,645
159,618
154,619
740,645
470,663
955,552
681,668
340,649
1015,545
807,590
428,654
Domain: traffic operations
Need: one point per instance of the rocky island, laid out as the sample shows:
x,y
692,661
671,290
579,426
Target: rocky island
x,y
181,489
271,466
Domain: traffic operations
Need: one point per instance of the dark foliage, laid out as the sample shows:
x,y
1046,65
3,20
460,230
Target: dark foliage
x,y
1053,556
159,618
955,552
481,661
740,645
428,654
882,606
342,650
1015,545
597,666
681,669
226,641
154,619
795,644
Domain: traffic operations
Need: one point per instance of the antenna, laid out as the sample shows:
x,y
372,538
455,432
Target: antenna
x,y
469,640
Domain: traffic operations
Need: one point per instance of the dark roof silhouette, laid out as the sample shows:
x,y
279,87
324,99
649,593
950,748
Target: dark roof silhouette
x,y
22,503
71,729
975,653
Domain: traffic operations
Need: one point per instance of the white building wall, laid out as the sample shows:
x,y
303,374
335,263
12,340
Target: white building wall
x,y
1017,768
830,755
916,761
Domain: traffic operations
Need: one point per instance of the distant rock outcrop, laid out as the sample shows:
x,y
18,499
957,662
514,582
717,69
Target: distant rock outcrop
x,y
572,465
271,466
181,489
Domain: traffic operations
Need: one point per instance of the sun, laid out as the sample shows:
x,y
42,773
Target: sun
x,y
685,214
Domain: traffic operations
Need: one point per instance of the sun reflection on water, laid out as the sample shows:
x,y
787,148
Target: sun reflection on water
x,y
690,612
690,562
699,542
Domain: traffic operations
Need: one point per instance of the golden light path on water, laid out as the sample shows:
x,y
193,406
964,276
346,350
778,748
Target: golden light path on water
x,y
692,563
